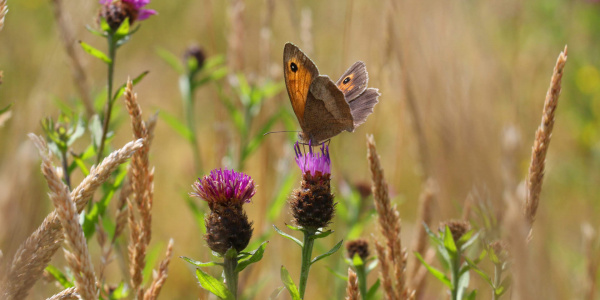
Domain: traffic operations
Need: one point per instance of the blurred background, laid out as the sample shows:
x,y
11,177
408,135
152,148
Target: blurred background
x,y
462,89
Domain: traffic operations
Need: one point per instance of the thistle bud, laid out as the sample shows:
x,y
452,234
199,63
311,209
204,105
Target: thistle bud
x,y
458,228
360,247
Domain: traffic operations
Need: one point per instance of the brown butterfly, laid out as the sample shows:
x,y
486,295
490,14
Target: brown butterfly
x,y
324,108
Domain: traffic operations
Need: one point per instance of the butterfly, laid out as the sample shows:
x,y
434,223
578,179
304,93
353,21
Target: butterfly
x,y
324,109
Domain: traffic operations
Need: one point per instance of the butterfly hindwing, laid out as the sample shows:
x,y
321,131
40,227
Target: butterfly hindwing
x,y
362,106
354,81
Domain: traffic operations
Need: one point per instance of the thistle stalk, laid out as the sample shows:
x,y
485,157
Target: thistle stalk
x,y
112,53
309,242
231,275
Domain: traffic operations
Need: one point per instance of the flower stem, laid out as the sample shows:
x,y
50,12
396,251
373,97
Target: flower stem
x,y
231,276
455,268
186,87
65,166
497,280
362,280
306,259
112,51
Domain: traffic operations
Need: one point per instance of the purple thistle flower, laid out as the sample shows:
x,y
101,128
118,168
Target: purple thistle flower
x,y
313,163
132,9
225,187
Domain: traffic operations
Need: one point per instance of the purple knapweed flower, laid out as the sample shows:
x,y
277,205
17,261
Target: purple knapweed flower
x,y
313,163
225,187
116,11
137,5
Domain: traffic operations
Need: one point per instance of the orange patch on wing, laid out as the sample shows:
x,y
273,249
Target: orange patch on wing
x,y
298,84
345,87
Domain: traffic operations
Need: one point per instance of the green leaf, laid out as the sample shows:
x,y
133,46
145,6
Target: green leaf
x,y
357,260
257,255
435,272
201,264
94,31
328,253
121,292
467,240
214,61
276,293
213,76
95,128
276,206
463,284
287,236
104,25
337,274
5,109
372,265
213,285
289,284
177,125
171,59
504,286
95,52
449,241
59,276
472,295
78,131
99,208
373,290
123,30
434,237
477,270
292,227
321,235
135,81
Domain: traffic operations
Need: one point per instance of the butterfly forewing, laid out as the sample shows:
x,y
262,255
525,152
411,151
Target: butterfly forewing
x,y
299,72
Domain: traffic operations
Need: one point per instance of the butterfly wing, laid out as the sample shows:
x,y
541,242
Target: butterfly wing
x,y
354,81
327,113
299,72
354,86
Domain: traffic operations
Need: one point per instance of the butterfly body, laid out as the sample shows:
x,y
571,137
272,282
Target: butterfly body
x,y
324,109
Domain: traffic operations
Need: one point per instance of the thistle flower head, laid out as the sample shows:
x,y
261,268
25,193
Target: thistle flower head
x,y
227,224
312,203
116,11
224,187
315,164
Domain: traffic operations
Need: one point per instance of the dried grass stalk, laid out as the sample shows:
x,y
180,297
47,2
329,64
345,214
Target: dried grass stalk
x,y
352,288
160,276
384,273
3,11
542,140
79,258
35,253
389,223
142,184
420,240
68,294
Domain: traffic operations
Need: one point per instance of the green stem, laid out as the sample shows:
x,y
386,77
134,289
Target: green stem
x,y
187,90
112,51
65,165
362,280
306,259
497,280
231,276
455,275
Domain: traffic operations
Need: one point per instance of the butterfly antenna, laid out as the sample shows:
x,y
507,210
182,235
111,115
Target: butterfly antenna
x,y
283,131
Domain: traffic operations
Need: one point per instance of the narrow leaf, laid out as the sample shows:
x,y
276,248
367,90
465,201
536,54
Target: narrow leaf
x,y
171,59
201,264
477,270
95,52
373,290
287,236
135,81
435,272
177,125
328,253
257,255
337,274
289,284
213,285
59,276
